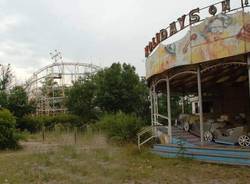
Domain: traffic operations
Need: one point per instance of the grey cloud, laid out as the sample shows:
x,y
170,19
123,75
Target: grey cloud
x,y
98,31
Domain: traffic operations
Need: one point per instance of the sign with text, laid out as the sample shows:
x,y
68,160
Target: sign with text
x,y
217,37
186,20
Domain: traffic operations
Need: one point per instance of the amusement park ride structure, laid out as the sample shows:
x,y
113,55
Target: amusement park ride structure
x,y
47,86
212,63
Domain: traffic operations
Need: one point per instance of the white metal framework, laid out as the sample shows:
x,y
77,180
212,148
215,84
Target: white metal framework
x,y
47,86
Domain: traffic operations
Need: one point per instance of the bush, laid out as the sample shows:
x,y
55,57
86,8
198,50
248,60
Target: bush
x,y
68,120
35,123
30,123
120,126
8,135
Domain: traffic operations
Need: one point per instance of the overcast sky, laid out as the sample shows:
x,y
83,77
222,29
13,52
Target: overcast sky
x,y
97,31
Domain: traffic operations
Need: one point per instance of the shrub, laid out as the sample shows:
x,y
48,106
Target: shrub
x,y
30,123
35,123
8,135
68,120
120,126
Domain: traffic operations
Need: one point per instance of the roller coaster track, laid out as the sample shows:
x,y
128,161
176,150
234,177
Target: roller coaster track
x,y
61,73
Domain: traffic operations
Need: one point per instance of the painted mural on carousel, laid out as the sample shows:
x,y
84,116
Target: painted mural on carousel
x,y
216,37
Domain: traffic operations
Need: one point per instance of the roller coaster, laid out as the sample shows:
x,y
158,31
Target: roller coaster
x,y
46,87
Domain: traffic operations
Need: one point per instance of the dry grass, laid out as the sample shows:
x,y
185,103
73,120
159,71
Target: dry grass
x,y
93,160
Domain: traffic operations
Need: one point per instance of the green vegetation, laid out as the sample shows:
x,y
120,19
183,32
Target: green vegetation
x,y
119,88
114,100
35,123
5,77
3,99
81,99
120,126
94,160
176,105
113,89
18,102
8,135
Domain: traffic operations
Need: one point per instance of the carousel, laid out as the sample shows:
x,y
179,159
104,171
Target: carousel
x,y
208,69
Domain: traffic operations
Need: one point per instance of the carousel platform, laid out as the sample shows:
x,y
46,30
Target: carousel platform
x,y
188,145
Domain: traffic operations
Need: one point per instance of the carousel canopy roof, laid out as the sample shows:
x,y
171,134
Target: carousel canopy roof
x,y
223,38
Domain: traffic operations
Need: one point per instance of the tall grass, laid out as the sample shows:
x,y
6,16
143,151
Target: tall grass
x,y
94,160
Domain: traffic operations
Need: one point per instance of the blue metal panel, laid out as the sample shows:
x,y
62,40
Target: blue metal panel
x,y
229,152
217,155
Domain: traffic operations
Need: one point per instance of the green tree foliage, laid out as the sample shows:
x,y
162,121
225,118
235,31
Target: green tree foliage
x,y
119,88
3,99
113,89
35,123
30,123
18,102
80,99
15,99
8,135
143,110
176,105
5,79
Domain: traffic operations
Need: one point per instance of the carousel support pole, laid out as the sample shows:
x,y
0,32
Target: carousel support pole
x,y
155,105
248,68
169,111
154,110
151,106
200,104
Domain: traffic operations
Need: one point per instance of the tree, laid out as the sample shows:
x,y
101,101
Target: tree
x,y
18,102
143,106
80,99
8,134
113,89
5,77
119,88
3,99
5,80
